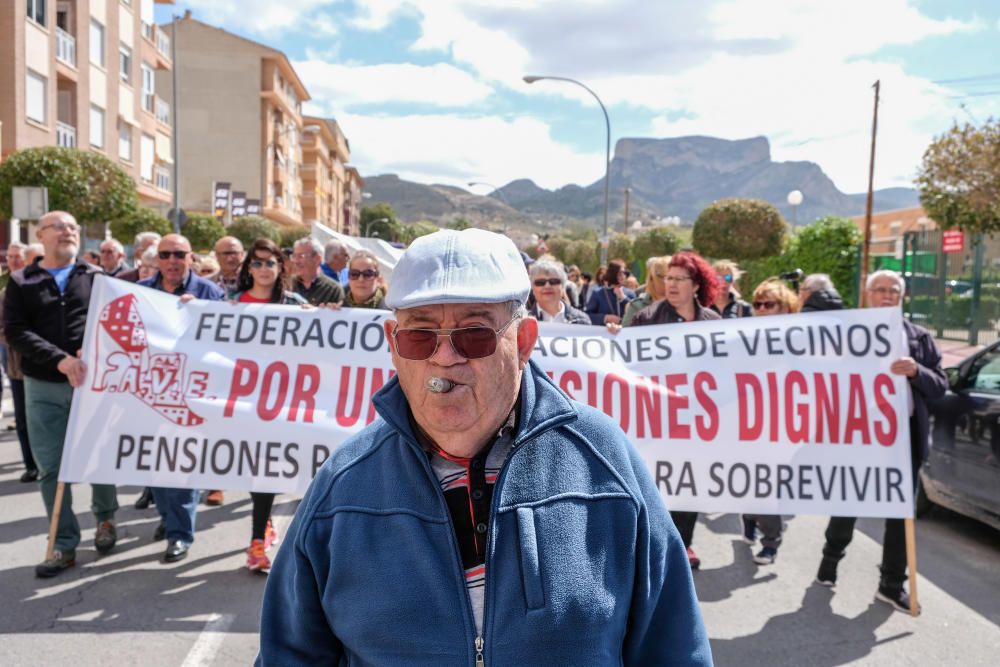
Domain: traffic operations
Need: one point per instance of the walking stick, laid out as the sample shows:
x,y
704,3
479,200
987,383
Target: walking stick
x,y
56,509
911,563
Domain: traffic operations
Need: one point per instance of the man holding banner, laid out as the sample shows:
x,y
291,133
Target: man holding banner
x,y
485,516
45,313
884,289
177,507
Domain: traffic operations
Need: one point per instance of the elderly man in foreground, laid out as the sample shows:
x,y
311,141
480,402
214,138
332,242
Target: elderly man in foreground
x,y
486,518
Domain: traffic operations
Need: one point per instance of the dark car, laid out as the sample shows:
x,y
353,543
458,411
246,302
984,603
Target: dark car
x,y
962,471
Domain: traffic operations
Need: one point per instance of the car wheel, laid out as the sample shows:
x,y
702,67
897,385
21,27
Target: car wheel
x,y
922,503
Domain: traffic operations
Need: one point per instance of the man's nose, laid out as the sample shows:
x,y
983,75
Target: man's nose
x,y
445,354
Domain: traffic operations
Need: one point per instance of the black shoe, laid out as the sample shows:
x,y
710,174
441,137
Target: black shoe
x,y
160,532
827,575
52,566
749,530
176,551
105,537
145,499
897,597
29,476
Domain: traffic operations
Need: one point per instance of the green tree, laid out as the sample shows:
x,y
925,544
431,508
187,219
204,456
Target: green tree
x,y
291,233
654,242
620,247
382,219
959,178
557,247
460,223
583,253
252,227
739,229
87,184
417,229
202,231
139,220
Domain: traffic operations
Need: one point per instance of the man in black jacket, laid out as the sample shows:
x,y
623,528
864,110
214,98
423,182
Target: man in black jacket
x,y
926,380
44,316
818,293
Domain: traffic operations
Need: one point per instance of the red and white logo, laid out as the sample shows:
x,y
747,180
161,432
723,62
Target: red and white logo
x,y
159,380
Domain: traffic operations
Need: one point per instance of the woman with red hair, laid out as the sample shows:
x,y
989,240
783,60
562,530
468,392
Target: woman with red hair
x,y
690,287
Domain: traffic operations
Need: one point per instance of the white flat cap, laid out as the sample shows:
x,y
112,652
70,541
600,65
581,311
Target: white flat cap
x,y
470,266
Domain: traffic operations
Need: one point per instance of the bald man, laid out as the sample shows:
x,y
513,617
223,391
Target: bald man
x,y
45,314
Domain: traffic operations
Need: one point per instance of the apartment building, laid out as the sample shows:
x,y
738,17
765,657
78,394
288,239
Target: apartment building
x,y
239,120
81,74
325,186
353,201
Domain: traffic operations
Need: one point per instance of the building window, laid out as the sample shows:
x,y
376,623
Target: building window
x,y
124,141
36,88
147,154
125,63
162,178
148,88
96,43
36,11
96,126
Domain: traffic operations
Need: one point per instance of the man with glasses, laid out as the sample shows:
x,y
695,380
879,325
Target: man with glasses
x,y
45,313
486,517
142,242
229,254
309,281
177,507
113,257
922,366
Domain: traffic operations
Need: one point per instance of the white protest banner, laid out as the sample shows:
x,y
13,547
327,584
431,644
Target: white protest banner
x,y
784,414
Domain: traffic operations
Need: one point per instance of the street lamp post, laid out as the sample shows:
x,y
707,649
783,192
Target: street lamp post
x,y
371,222
607,151
794,200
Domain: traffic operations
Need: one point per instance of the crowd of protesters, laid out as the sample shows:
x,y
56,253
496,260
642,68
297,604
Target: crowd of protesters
x,y
678,289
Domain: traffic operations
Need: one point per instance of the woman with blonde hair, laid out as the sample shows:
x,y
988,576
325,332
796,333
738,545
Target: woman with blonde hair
x,y
656,271
728,302
772,297
363,282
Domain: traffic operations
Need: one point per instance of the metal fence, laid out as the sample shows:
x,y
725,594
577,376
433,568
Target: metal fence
x,y
955,295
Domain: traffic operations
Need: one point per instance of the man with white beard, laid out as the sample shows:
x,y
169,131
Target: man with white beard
x,y
45,314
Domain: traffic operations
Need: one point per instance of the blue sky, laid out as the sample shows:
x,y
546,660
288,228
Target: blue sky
x,y
431,89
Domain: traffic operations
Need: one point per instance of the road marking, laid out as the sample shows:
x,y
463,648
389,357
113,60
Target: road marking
x,y
208,642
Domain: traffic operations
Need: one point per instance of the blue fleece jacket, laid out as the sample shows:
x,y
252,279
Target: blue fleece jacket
x,y
584,566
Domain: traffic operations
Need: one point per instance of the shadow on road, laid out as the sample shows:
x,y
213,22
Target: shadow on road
x,y
811,635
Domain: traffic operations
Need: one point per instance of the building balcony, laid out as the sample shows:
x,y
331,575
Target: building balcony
x,y
65,135
65,47
163,43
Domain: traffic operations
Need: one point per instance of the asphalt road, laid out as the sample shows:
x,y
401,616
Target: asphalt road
x,y
128,608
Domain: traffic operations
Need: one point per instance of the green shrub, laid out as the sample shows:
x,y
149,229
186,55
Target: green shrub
x,y
139,220
202,231
744,228
252,227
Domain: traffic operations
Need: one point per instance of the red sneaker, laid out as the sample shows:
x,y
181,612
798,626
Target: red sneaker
x,y
257,560
270,535
693,559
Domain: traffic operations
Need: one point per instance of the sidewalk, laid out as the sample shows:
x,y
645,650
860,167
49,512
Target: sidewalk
x,y
953,352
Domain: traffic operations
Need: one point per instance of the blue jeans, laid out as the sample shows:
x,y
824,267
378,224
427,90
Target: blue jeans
x,y
177,508
47,406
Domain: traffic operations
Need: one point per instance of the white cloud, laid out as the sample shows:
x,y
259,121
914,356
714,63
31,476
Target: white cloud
x,y
341,86
447,149
261,17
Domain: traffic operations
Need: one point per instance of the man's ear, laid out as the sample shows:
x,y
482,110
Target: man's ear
x,y
527,336
389,326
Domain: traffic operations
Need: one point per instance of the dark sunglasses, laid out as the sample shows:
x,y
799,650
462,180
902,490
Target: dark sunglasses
x,y
764,305
178,254
542,282
468,342
260,263
354,274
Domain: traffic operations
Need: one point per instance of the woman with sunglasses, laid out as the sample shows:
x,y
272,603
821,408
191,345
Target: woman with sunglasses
x,y
548,289
606,304
772,297
263,278
363,288
728,302
656,270
689,288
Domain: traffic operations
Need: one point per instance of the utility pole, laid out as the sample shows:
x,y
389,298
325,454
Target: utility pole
x,y
868,207
628,191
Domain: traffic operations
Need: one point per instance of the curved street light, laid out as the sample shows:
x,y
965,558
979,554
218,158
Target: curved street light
x,y
372,222
607,150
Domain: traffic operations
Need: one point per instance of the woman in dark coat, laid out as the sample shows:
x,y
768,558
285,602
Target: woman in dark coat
x,y
606,305
690,287
549,302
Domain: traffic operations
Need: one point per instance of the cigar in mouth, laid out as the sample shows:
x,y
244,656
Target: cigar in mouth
x,y
439,385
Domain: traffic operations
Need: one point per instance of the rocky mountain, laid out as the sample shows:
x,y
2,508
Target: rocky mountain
x,y
666,177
